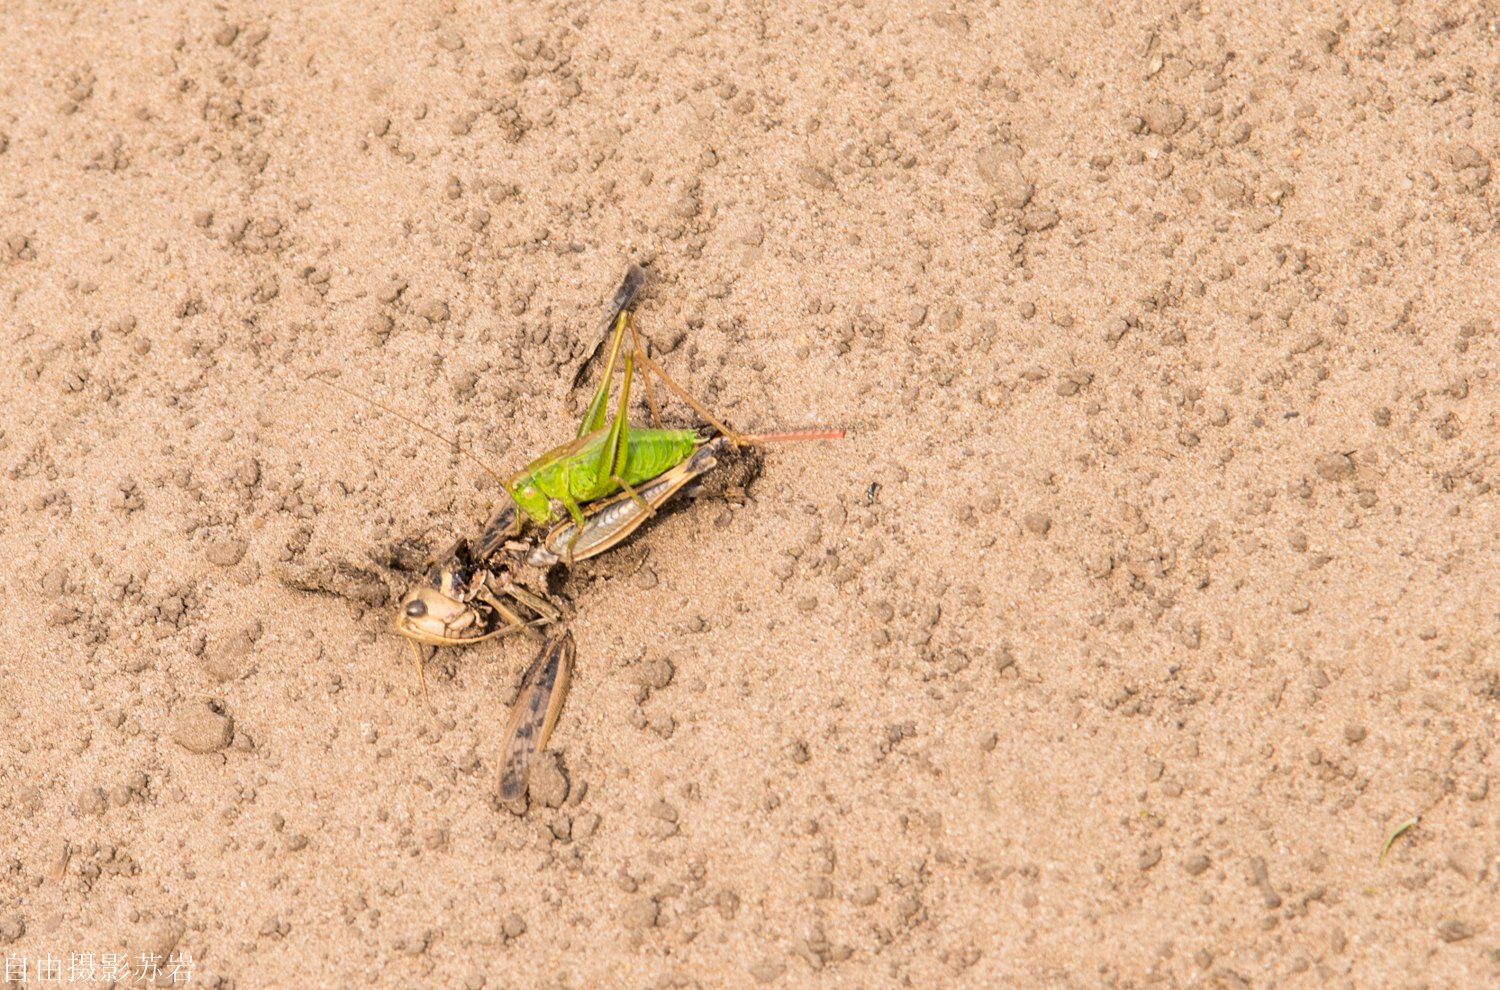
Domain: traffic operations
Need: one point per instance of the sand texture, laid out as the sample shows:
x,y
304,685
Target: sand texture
x,y
1153,588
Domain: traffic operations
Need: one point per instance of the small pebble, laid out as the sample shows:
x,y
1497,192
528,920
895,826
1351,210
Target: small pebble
x,y
548,786
1037,522
655,674
1454,930
93,801
639,912
225,553
201,729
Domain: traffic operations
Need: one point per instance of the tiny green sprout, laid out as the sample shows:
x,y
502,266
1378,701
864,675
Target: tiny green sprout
x,y
1396,834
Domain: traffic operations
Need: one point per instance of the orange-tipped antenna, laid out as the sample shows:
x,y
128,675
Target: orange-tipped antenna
x,y
314,377
792,435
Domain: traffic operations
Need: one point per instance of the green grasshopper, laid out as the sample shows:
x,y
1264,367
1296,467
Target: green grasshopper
x,y
601,461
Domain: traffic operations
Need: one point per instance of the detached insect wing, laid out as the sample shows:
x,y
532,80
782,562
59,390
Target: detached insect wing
x,y
537,708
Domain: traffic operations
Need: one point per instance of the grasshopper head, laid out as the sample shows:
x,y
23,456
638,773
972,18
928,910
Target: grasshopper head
x,y
428,616
530,499
437,611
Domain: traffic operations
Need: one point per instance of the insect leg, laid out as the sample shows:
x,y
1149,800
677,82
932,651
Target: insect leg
x,y
646,361
543,608
513,621
593,417
645,379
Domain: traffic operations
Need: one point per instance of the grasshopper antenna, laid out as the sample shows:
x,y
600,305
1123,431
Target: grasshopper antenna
x,y
316,377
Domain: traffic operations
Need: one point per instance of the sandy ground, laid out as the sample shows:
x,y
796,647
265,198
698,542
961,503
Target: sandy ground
x,y
1153,589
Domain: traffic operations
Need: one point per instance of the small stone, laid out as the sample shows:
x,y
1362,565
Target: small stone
x,y
296,842
807,603
1354,733
201,729
1307,343
655,674
645,579
513,927
1037,522
379,325
1149,857
225,553
1196,864
639,912
767,970
247,472
815,177
1229,189
548,786
55,582
12,926
1000,166
1454,930
433,310
1039,218
1163,118
1335,467
93,801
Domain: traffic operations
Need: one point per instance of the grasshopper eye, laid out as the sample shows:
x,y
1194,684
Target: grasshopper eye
x,y
530,490
416,608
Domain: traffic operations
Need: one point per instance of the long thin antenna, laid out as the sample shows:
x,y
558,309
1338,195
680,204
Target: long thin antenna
x,y
407,420
792,436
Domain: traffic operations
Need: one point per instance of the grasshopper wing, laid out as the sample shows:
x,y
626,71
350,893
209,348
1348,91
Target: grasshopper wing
x,y
537,708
